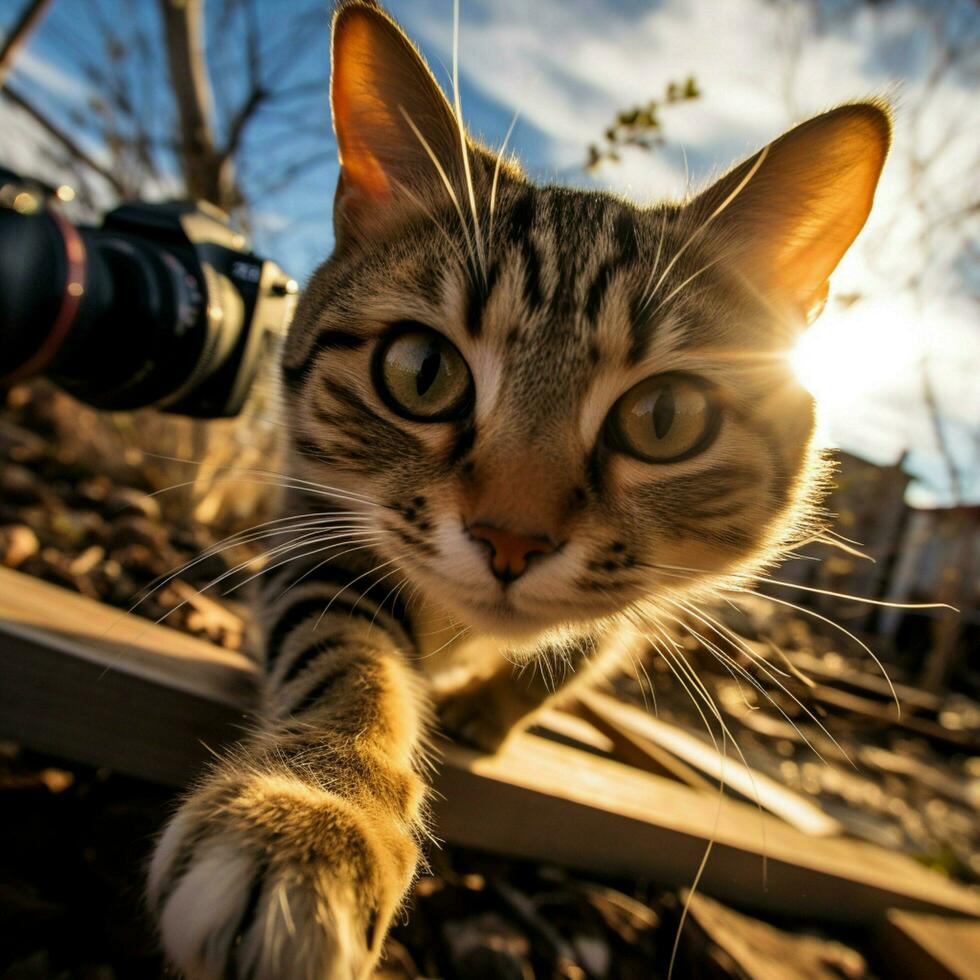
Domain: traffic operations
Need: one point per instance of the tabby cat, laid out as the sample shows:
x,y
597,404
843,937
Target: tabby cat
x,y
520,417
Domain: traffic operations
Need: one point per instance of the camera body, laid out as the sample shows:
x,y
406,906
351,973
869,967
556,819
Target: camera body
x,y
162,305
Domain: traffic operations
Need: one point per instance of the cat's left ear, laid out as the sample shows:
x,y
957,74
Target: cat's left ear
x,y
789,213
397,135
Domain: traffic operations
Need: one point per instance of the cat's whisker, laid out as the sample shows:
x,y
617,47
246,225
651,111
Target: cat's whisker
x,y
645,295
722,630
683,285
232,571
637,665
397,570
706,694
723,657
639,624
427,211
392,595
341,535
823,536
456,636
692,238
284,481
699,874
464,147
837,626
770,671
723,755
241,539
447,183
353,582
816,615
727,735
496,177
364,540
748,578
702,689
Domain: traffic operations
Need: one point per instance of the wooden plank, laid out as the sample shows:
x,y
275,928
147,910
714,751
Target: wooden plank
x,y
148,706
751,784
917,946
636,751
876,686
55,701
886,715
747,949
538,800
54,617
572,730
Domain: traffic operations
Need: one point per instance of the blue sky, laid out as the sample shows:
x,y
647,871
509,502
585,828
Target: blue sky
x,y
566,66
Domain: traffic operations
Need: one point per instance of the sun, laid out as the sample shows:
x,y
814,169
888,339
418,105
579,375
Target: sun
x,y
852,354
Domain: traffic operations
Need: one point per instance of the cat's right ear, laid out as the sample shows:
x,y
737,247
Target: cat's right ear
x,y
789,213
394,127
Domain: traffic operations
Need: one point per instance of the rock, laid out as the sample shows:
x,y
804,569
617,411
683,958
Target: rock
x,y
135,530
17,543
126,501
487,947
20,445
18,485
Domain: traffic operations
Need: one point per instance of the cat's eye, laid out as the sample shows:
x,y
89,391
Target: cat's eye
x,y
421,376
665,419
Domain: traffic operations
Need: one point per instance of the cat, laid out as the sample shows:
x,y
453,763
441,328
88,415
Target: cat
x,y
520,415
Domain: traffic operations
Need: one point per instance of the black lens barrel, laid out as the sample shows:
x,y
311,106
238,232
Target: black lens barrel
x,y
33,269
162,306
137,325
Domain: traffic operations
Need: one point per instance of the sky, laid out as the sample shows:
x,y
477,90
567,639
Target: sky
x,y
565,67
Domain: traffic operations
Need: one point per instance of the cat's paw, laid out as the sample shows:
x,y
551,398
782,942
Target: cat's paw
x,y
485,714
272,878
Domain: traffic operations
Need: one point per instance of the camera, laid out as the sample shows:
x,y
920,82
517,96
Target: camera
x,y
163,305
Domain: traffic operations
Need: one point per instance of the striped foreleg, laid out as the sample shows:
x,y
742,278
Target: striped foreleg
x,y
291,856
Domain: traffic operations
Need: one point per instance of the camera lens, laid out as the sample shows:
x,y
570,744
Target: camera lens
x,y
160,306
117,320
139,332
35,305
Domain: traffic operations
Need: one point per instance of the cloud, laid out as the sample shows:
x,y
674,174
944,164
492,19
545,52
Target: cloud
x,y
33,69
569,65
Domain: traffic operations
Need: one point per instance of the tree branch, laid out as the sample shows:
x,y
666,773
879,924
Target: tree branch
x,y
236,127
942,444
183,27
52,129
18,34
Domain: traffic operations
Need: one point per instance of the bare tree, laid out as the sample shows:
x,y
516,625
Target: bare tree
x,y
172,98
28,20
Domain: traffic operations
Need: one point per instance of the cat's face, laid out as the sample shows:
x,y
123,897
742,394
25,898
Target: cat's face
x,y
556,403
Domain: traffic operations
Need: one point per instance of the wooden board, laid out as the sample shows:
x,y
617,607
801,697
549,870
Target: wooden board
x,y
755,786
746,949
109,690
915,946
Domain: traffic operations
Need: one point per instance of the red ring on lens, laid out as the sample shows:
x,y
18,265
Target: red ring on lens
x,y
71,299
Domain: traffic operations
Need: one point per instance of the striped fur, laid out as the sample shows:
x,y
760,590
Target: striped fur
x,y
292,854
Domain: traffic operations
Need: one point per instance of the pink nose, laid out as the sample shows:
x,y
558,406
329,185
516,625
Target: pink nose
x,y
509,552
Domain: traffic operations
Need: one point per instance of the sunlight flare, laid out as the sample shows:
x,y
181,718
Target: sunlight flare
x,y
866,348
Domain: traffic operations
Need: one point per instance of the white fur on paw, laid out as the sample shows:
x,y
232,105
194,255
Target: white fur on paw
x,y
291,928
273,879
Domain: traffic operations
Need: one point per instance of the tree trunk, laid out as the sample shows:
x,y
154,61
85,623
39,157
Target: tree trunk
x,y
206,170
18,34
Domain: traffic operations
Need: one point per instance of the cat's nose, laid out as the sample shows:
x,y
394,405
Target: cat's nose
x,y
509,551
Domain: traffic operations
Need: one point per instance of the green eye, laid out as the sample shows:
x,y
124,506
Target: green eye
x,y
665,419
421,376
